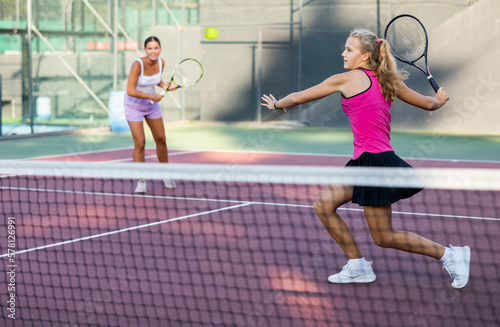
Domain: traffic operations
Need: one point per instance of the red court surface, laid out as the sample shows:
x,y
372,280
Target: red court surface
x,y
235,255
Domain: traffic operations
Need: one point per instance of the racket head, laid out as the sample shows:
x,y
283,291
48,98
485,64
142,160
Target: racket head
x,y
407,38
187,73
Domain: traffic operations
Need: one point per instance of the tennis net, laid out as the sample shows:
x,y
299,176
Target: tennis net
x,y
234,245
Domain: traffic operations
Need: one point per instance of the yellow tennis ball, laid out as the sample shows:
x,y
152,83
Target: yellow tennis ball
x,y
211,33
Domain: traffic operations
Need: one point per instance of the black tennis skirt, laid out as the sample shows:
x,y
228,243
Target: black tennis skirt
x,y
380,196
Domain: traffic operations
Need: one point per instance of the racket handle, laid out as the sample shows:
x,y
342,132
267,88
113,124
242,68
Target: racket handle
x,y
162,93
435,86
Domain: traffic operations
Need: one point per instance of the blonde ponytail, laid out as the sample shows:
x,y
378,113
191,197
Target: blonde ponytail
x,y
382,63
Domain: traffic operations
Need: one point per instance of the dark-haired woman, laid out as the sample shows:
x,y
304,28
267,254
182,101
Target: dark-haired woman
x,y
145,74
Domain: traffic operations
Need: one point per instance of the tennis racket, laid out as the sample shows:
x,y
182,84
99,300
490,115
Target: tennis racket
x,y
186,73
409,42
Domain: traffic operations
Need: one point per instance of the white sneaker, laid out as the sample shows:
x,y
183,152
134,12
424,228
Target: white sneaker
x,y
353,274
458,266
141,186
170,184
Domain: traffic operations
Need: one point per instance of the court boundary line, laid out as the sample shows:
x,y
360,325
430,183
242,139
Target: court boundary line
x,y
233,201
97,151
42,247
189,151
239,204
336,155
149,157
76,153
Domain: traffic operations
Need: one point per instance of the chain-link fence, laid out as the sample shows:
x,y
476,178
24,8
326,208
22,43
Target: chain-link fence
x,y
80,52
326,27
281,46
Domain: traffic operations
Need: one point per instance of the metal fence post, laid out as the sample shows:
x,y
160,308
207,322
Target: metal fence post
x,y
0,105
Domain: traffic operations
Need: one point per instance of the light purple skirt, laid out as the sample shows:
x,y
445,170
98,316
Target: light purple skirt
x,y
137,109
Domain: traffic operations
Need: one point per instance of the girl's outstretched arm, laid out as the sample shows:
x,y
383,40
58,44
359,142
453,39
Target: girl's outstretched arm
x,y
335,83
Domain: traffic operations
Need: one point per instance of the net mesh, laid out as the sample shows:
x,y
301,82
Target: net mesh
x,y
234,246
407,38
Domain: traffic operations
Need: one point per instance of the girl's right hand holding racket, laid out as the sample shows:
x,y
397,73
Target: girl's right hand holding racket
x,y
442,96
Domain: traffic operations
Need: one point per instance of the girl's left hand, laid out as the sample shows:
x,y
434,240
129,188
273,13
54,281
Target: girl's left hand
x,y
270,100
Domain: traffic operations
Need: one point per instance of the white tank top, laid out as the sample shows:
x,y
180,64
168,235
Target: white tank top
x,y
145,83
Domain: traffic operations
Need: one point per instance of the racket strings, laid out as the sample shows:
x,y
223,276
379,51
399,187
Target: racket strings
x,y
407,38
187,73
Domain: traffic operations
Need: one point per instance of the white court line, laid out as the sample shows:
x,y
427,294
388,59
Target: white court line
x,y
152,156
109,161
77,153
127,229
10,175
232,201
185,151
125,195
348,156
430,214
240,203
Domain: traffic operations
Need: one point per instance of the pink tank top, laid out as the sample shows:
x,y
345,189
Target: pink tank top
x,y
370,116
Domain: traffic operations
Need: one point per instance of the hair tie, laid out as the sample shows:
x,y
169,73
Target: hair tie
x,y
378,40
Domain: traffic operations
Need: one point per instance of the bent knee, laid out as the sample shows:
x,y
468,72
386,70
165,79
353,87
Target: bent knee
x,y
382,243
322,207
384,240
319,206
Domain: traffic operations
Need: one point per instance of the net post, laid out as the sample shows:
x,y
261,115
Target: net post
x,y
115,45
378,18
299,62
259,77
29,63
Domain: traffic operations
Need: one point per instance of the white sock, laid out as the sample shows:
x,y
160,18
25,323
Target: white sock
x,y
361,262
448,253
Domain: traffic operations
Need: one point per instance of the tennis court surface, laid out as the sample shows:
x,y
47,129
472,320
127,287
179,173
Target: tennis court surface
x,y
237,243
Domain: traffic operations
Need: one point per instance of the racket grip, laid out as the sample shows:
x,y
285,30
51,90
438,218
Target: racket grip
x,y
435,86
162,93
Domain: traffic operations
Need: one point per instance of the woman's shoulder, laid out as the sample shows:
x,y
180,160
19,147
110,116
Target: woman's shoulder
x,y
357,82
136,66
345,75
138,62
356,72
